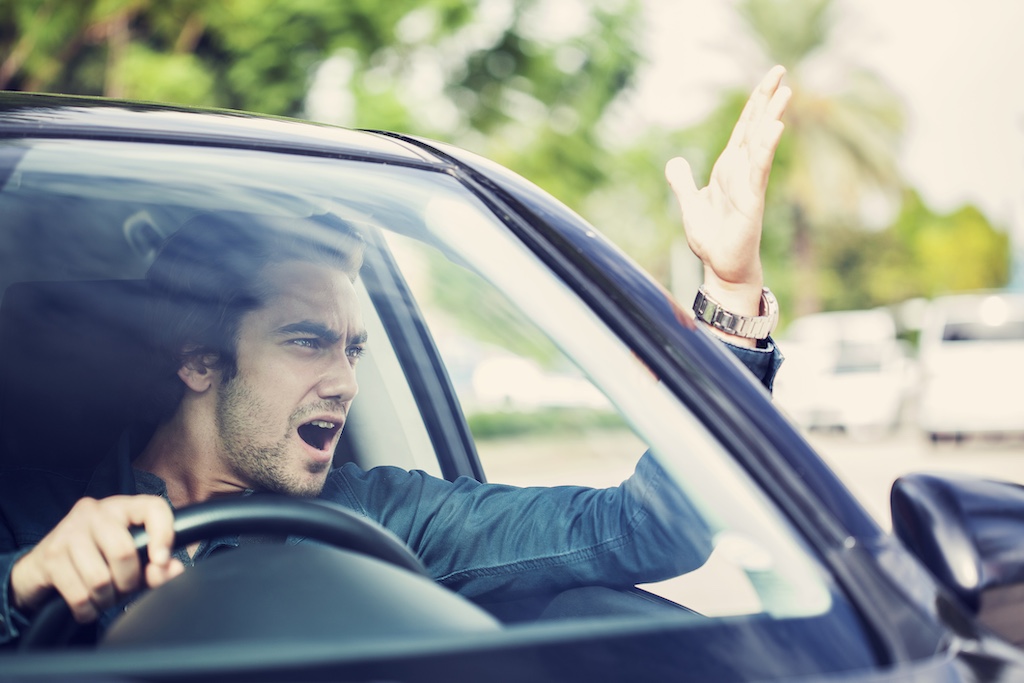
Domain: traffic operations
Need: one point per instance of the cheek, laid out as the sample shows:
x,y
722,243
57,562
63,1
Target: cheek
x,y
281,379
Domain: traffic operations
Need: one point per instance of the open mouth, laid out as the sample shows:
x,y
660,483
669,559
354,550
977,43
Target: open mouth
x,y
319,433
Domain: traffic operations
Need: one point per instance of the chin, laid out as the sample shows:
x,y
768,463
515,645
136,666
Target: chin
x,y
305,489
301,484
312,486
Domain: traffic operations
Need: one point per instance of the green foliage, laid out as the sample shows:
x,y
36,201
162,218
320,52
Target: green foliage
x,y
865,269
790,30
923,254
179,78
838,150
494,319
520,89
513,87
540,102
503,424
958,251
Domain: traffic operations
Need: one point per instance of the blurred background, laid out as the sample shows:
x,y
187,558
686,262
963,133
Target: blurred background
x,y
897,186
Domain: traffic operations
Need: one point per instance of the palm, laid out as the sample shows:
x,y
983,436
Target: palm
x,y
723,220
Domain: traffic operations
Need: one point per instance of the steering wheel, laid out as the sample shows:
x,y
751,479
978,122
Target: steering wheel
x,y
257,514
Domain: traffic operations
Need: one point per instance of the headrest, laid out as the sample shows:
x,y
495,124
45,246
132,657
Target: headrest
x,y
75,363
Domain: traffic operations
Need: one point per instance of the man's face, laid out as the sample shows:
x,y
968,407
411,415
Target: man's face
x,y
280,417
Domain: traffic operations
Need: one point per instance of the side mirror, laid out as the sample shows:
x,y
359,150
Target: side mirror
x,y
969,532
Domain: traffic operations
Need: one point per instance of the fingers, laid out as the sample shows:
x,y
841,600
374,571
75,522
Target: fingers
x,y
766,103
89,558
762,156
158,575
755,139
723,221
756,105
155,516
680,177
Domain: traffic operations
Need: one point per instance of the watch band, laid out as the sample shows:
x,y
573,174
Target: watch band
x,y
750,327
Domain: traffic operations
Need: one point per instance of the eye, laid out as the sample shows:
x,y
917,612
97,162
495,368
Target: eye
x,y
355,352
307,343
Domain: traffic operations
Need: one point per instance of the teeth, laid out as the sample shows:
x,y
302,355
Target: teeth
x,y
323,424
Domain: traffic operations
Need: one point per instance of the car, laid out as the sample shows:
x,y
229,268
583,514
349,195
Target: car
x,y
846,370
969,348
800,582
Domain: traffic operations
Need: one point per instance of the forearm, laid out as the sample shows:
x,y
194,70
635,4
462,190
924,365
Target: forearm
x,y
502,542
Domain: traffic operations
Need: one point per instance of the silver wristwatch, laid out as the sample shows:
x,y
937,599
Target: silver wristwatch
x,y
751,327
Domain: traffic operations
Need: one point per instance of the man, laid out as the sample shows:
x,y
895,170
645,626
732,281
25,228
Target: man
x,y
263,366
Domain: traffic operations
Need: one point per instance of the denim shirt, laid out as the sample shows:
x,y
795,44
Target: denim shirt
x,y
488,542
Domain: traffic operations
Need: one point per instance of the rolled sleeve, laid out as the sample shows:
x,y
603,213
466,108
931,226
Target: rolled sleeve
x,y
492,540
763,363
12,622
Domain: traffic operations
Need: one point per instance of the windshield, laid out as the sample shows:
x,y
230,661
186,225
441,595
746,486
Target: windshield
x,y
474,359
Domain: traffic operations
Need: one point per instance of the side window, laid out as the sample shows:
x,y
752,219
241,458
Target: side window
x,y
535,418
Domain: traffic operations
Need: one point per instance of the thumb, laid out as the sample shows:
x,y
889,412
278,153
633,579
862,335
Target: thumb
x,y
680,178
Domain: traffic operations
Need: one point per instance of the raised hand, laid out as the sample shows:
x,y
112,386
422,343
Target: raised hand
x,y
89,558
723,220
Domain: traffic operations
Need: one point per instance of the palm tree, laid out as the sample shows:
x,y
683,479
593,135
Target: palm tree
x,y
841,138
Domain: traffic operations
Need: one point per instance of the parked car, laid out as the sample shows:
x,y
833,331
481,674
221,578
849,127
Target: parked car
x,y
801,583
971,346
846,370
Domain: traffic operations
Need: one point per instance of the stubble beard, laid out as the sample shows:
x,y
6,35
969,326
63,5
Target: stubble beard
x,y
265,467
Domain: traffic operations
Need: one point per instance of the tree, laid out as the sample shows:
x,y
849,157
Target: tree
x,y
837,159
244,54
922,255
519,81
513,80
839,151
957,251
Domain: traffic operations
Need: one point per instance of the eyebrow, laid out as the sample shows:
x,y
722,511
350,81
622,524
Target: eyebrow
x,y
320,331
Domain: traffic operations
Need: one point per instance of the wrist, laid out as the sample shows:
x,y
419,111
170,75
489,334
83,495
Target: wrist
x,y
735,327
23,592
743,298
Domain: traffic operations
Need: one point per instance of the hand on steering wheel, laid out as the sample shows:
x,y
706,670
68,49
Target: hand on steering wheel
x,y
258,514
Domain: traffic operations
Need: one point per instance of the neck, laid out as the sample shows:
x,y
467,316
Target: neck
x,y
186,459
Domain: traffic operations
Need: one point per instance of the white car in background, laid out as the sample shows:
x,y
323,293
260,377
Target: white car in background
x,y
845,370
972,347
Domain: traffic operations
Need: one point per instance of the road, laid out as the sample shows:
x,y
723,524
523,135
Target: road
x,y
869,466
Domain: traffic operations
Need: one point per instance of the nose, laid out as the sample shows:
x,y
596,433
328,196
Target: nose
x,y
338,381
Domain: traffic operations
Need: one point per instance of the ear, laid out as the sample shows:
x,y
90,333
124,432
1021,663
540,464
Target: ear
x,y
197,372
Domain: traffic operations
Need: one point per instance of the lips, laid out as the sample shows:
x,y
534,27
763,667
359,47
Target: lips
x,y
320,433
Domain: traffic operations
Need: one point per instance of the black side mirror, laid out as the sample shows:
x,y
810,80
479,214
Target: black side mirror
x,y
969,532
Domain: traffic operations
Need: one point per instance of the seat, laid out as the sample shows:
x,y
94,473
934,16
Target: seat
x,y
76,361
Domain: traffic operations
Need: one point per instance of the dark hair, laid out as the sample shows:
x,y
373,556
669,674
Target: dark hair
x,y
208,274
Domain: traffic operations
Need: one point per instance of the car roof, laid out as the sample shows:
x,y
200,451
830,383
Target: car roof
x,y
43,115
